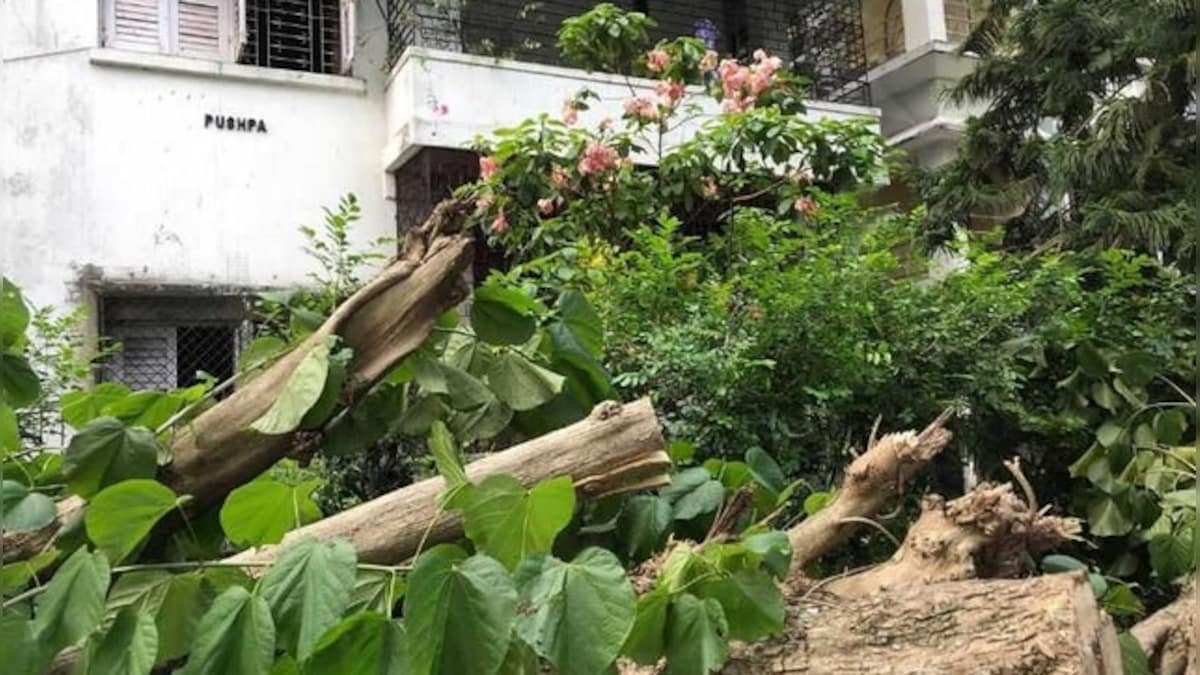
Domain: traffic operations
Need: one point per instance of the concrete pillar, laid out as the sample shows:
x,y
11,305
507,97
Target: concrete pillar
x,y
924,22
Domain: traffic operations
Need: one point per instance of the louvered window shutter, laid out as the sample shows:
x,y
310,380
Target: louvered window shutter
x,y
348,22
198,28
136,24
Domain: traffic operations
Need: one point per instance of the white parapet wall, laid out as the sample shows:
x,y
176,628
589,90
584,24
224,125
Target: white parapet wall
x,y
445,99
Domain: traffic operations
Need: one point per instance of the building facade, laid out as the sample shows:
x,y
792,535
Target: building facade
x,y
157,156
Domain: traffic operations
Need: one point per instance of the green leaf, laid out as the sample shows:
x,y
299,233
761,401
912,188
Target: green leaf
x,y
235,635
10,433
121,515
1119,600
696,630
583,321
751,603
366,643
1111,434
508,522
150,409
706,498
1133,657
459,613
261,350
262,511
106,452
73,602
176,601
307,588
1105,397
376,591
21,509
1091,360
1171,554
521,383
642,526
647,639
502,315
1108,518
14,314
773,548
81,407
448,461
576,615
1137,368
327,403
1169,426
128,646
299,394
1056,562
18,644
19,385
17,574
765,470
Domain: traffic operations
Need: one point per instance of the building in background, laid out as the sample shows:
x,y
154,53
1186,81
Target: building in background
x,y
157,156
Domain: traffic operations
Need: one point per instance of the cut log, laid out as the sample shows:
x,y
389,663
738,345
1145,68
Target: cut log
x,y
1171,636
1046,625
617,448
987,533
872,480
383,322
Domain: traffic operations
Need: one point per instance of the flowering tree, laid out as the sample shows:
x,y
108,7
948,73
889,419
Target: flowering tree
x,y
548,183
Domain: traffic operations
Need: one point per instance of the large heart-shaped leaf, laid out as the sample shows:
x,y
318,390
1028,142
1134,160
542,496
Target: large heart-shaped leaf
x,y
508,522
751,603
646,643
122,515
22,509
71,606
695,642
642,525
521,383
459,613
585,325
1171,555
502,315
18,644
299,394
106,452
262,511
576,615
307,589
19,385
128,646
235,635
175,601
83,406
367,643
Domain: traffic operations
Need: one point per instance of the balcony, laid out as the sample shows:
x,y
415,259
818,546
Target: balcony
x,y
463,69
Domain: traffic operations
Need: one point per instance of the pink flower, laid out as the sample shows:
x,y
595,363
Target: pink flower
x,y
597,158
642,108
759,55
806,205
500,224
488,167
658,61
803,176
670,91
546,206
570,114
709,62
708,187
559,177
759,82
727,67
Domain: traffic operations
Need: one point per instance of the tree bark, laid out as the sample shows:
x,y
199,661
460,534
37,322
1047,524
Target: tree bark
x,y
616,449
382,322
987,533
1171,636
1046,625
872,479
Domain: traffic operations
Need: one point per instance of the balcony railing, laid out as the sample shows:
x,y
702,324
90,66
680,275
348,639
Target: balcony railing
x,y
820,38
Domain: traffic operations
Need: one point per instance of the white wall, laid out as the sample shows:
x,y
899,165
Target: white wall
x,y
444,99
105,161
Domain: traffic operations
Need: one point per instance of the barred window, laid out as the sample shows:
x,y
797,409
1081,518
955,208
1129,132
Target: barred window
x,y
168,342
294,34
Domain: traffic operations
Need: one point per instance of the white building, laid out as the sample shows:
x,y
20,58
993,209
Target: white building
x,y
157,156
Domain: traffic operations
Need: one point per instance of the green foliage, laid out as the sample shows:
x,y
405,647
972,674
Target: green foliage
x,y
605,38
105,452
128,646
235,635
366,643
263,510
21,509
508,522
307,589
71,606
302,391
120,516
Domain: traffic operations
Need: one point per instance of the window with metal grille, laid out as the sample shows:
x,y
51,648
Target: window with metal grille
x,y
168,342
311,35
294,34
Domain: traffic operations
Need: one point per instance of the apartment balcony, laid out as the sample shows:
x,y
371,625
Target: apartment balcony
x,y
466,68
911,48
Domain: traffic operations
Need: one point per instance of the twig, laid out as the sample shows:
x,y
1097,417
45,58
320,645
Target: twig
x,y
872,523
1014,467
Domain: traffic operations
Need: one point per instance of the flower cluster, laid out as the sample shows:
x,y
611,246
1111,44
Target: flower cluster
x,y
597,158
641,108
742,85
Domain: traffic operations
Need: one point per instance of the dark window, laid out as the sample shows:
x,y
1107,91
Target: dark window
x,y
293,34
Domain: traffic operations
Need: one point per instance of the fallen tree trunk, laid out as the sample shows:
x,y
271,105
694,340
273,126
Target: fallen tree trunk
x,y
871,481
1171,636
617,448
1040,626
987,533
382,322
